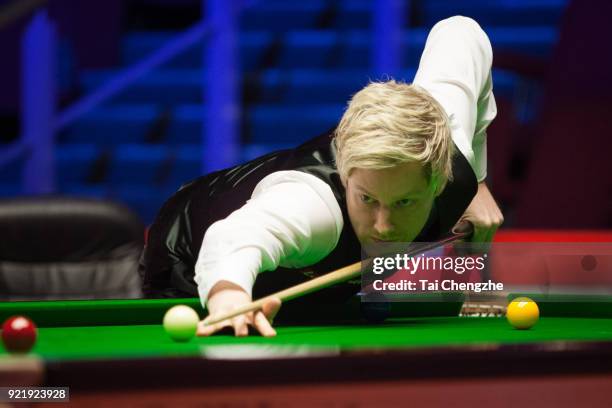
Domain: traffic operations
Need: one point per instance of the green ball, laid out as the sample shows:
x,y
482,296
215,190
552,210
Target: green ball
x,y
181,323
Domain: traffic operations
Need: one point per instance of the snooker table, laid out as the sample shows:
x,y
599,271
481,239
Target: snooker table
x,y
116,352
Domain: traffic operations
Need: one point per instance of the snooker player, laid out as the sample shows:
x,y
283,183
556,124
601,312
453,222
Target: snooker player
x,y
406,163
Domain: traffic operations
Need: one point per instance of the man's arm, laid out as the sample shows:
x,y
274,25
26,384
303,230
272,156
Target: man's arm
x,y
292,219
455,69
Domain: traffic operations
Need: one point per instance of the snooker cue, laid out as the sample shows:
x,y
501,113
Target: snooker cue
x,y
461,231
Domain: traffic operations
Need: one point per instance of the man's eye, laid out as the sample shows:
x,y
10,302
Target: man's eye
x,y
366,199
404,203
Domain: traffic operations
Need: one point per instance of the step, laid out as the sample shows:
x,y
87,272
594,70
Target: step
x,y
263,124
275,124
184,163
175,86
144,200
140,164
11,172
495,13
112,125
10,189
282,16
127,184
298,86
134,164
162,86
331,49
75,162
139,44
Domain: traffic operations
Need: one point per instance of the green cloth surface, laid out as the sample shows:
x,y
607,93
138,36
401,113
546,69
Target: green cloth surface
x,y
135,341
105,329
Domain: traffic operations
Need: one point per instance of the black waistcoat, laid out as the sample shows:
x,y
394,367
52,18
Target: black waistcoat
x,y
168,262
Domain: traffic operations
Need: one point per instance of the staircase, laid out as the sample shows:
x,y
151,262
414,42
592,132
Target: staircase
x,y
301,61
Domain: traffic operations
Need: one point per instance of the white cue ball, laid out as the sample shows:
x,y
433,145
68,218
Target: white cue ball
x,y
181,322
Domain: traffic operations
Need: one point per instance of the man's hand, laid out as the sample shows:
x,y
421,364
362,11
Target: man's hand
x,y
484,214
226,296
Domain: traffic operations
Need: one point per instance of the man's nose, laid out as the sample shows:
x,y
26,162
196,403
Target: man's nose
x,y
383,224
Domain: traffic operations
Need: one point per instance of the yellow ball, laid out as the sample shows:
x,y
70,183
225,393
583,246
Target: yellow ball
x,y
522,313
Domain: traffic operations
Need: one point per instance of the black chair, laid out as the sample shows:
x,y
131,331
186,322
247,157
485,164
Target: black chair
x,y
68,248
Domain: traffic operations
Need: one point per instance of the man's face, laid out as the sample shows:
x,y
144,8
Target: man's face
x,y
390,204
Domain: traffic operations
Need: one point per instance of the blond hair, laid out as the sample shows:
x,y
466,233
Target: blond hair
x,y
391,123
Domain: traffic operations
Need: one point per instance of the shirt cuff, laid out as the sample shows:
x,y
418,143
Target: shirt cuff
x,y
241,269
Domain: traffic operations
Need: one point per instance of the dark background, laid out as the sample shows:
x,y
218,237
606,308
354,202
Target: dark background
x,y
549,148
